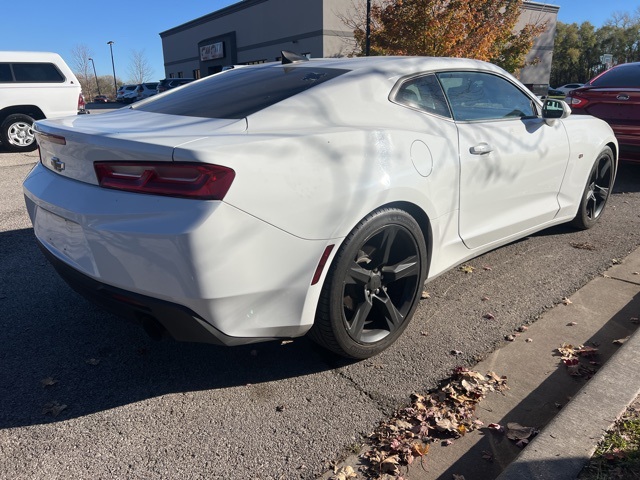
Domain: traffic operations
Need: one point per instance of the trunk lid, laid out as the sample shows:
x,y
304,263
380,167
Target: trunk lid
x,y
69,146
616,106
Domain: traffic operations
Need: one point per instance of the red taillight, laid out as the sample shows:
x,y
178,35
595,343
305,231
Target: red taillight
x,y
186,180
576,102
81,104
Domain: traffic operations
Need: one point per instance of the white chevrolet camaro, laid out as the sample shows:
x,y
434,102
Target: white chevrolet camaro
x,y
308,197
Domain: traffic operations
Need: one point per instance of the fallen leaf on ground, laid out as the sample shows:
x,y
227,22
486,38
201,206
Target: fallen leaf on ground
x,y
425,294
49,381
529,340
467,269
286,342
485,299
510,338
522,328
345,473
582,246
53,408
517,432
496,427
458,477
566,301
487,268
456,352
572,324
489,316
487,456
620,341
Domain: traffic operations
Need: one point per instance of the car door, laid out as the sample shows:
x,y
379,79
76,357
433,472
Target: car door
x,y
511,162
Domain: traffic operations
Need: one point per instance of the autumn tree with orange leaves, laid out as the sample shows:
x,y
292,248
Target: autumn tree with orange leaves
x,y
481,29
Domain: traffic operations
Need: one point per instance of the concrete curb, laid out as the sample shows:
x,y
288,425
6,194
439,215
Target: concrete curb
x,y
566,444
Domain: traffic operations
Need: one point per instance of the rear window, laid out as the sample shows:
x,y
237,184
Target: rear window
x,y
240,92
622,76
30,73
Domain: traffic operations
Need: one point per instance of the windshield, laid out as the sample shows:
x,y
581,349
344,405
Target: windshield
x,y
236,93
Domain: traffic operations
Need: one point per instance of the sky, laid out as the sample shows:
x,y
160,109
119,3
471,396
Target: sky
x,y
60,26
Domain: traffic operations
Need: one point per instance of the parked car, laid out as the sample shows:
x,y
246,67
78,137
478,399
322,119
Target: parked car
x,y
101,99
169,83
554,93
126,93
146,90
568,87
219,214
130,94
614,96
34,86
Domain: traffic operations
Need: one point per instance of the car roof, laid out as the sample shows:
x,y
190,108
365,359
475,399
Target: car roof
x,y
394,66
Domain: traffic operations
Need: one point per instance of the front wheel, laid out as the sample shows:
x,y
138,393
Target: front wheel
x,y
373,285
597,191
16,133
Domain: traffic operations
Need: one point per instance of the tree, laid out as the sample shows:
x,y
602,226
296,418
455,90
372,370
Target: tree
x,y
481,29
83,70
140,70
579,49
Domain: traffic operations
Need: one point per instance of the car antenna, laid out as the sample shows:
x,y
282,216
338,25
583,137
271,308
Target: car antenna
x,y
291,57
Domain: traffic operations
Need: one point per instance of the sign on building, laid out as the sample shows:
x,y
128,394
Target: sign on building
x,y
210,52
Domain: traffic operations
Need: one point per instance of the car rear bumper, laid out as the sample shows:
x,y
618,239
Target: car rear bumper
x,y
205,270
178,321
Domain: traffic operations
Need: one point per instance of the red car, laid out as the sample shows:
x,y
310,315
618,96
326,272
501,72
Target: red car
x,y
614,96
101,99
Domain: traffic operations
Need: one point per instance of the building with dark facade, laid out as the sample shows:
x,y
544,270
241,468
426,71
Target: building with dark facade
x,y
256,31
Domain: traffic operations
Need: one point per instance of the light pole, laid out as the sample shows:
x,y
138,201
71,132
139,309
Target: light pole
x,y
115,87
367,45
95,75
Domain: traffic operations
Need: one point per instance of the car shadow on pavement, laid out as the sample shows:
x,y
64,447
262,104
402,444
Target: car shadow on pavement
x,y
59,349
627,178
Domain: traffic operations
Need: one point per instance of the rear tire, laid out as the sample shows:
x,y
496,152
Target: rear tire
x,y
596,191
373,286
16,133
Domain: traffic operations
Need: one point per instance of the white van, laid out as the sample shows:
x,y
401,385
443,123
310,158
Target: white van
x,y
33,86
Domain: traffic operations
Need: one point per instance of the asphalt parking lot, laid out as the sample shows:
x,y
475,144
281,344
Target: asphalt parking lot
x,y
87,395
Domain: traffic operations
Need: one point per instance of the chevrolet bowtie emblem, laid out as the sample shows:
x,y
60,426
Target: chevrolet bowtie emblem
x,y
57,164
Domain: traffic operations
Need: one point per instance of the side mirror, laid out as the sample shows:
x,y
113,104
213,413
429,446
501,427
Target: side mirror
x,y
553,110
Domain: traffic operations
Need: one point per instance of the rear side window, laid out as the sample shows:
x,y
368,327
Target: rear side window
x,y
30,73
423,93
623,76
239,92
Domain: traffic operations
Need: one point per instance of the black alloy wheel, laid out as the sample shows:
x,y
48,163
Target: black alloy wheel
x,y
373,286
597,191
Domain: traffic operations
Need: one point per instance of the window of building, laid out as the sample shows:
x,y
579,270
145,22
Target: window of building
x,y
196,73
180,75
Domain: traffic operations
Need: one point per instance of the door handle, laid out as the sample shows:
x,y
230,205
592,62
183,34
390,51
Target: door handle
x,y
481,149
